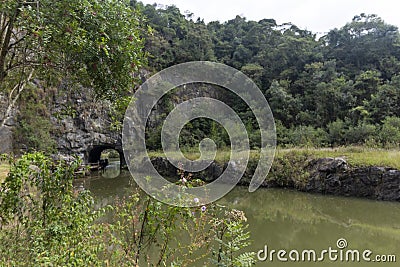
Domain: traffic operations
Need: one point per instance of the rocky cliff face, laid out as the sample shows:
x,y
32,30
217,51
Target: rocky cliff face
x,y
90,124
86,125
80,122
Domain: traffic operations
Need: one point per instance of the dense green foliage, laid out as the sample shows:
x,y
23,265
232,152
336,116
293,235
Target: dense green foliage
x,y
45,221
67,45
35,130
42,219
92,43
341,88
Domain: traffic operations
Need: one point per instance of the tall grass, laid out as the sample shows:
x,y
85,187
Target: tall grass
x,y
355,155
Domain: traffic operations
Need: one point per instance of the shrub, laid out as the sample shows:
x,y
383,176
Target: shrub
x,y
360,133
336,132
289,170
44,221
308,136
389,134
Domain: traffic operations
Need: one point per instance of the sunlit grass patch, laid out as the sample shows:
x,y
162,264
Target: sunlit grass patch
x,y
4,169
354,155
222,155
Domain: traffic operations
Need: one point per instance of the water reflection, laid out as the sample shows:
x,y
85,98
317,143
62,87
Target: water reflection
x,y
285,219
112,170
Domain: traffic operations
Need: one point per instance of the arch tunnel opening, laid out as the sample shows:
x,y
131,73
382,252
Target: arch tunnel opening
x,y
94,155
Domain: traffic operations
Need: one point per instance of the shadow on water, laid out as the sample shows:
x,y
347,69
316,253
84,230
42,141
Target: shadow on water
x,y
286,219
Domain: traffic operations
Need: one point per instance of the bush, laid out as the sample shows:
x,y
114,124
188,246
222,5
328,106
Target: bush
x,y
360,134
44,221
282,133
389,134
34,130
308,136
143,231
336,132
288,169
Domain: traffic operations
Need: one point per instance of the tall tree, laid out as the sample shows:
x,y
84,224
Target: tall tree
x,y
385,102
93,43
362,44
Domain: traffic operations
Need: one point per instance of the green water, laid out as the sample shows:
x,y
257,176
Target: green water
x,y
286,219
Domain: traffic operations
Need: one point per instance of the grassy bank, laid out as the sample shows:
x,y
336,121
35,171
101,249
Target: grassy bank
x,y
355,156
4,169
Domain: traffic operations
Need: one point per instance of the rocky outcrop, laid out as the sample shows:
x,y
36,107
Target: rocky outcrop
x,y
332,176
80,122
335,176
83,124
166,169
86,127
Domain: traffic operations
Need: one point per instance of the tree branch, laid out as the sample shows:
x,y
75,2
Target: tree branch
x,y
4,25
6,42
13,99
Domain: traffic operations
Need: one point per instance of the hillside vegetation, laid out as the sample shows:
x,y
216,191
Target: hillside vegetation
x,y
342,88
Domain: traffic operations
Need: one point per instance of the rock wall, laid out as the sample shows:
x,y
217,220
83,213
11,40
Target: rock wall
x,y
332,176
335,176
90,125
6,139
82,123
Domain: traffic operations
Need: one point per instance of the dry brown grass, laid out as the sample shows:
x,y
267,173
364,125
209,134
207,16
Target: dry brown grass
x,y
4,169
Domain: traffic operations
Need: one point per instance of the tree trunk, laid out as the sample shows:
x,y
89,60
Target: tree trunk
x,y
6,129
5,43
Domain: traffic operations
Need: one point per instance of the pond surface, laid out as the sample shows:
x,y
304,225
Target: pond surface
x,y
290,220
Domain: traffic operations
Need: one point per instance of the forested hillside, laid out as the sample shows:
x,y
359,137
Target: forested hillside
x,y
337,89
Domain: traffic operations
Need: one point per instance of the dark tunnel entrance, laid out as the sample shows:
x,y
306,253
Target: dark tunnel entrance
x,y
94,154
